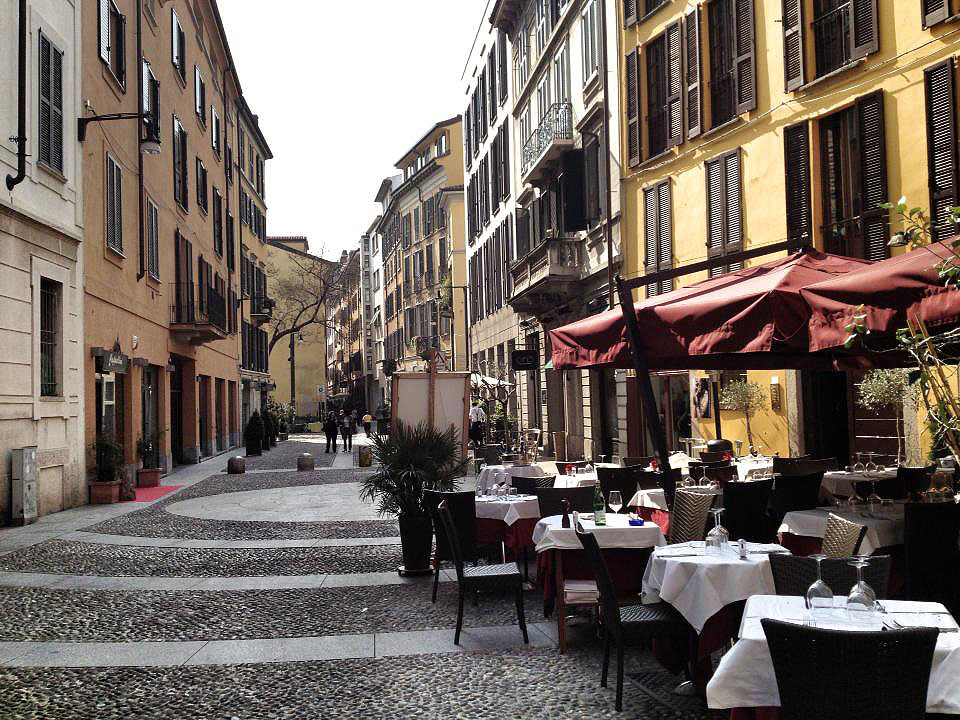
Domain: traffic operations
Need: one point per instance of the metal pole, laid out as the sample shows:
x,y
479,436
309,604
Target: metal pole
x,y
293,373
715,391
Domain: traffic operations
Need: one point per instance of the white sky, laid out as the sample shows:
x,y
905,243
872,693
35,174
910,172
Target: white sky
x,y
343,89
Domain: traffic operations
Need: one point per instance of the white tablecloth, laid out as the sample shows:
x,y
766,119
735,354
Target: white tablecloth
x,y
840,482
700,585
745,676
508,510
617,533
496,474
652,498
578,480
882,530
748,466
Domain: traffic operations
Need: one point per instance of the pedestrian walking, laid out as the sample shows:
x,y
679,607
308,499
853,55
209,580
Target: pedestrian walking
x,y
330,430
346,430
367,421
477,419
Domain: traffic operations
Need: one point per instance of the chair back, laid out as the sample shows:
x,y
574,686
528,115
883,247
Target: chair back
x,y
450,530
642,461
546,481
622,479
745,510
915,479
551,500
688,518
794,492
490,454
843,674
793,574
648,479
887,487
930,533
719,445
608,597
463,511
668,481
800,465
711,456
721,474
525,485
842,537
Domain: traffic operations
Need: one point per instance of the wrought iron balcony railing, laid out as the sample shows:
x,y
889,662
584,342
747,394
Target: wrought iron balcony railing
x,y
556,125
196,305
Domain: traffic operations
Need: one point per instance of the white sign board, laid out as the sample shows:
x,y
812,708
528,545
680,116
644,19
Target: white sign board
x,y
441,399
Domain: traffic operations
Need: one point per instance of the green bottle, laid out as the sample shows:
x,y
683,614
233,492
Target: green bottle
x,y
599,507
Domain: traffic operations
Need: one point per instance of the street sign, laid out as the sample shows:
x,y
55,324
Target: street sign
x,y
524,359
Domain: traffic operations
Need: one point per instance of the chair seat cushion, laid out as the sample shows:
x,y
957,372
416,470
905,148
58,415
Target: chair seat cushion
x,y
656,617
507,574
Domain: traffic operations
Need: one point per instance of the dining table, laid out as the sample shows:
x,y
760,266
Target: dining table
x,y
579,479
840,483
802,530
749,465
499,474
509,519
745,683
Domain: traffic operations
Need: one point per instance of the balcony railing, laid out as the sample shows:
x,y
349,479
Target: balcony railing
x,y
555,131
199,309
546,276
831,33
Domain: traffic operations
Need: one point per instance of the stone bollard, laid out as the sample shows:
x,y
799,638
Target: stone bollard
x,y
305,462
236,465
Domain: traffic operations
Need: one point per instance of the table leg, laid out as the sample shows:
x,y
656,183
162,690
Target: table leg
x,y
560,607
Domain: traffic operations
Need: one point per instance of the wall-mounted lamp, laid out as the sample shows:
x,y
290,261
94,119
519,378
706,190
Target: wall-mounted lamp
x,y
149,145
775,393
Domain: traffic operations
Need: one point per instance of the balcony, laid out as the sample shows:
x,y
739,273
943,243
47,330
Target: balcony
x,y
261,309
197,319
544,149
547,276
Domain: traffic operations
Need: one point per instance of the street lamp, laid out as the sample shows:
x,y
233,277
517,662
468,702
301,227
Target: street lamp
x,y
149,145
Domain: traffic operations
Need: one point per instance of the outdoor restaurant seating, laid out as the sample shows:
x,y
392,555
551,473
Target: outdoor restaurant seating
x,y
713,456
477,578
462,506
797,487
551,500
915,479
930,552
792,574
745,510
622,479
642,461
688,520
525,485
648,480
842,674
842,537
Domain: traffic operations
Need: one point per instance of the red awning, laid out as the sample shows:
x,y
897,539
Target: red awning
x,y
892,290
748,319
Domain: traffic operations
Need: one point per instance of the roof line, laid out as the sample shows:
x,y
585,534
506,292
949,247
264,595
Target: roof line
x,y
442,123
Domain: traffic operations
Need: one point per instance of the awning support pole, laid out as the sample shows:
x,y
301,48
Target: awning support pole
x,y
715,391
654,425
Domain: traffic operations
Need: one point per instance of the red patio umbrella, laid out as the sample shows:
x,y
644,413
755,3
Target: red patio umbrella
x,y
891,291
748,319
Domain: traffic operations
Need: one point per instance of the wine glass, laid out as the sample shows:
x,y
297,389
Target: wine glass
x,y
873,498
858,466
861,597
819,594
871,466
718,537
615,501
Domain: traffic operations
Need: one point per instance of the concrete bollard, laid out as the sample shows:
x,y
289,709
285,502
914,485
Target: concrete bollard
x,y
305,462
236,465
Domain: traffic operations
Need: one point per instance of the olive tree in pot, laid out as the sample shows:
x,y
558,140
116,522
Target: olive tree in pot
x,y
105,488
148,450
253,434
410,460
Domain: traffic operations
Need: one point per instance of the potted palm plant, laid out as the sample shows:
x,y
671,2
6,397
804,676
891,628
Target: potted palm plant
x,y
105,488
149,474
410,460
253,434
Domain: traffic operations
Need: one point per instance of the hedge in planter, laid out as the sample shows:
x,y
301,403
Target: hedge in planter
x,y
253,434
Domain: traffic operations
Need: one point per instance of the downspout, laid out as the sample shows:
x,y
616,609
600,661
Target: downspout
x,y
14,180
607,232
142,267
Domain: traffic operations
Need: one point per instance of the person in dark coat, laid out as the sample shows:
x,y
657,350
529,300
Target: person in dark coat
x,y
346,430
330,430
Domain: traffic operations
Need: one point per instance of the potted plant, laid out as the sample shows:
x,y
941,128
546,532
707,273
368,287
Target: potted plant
x,y
880,388
269,430
747,397
411,460
147,449
105,488
253,434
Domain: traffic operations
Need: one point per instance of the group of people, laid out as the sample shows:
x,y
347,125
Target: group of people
x,y
343,424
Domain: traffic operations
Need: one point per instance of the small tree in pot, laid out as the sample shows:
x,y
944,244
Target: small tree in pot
x,y
253,434
105,488
148,449
747,397
880,388
411,460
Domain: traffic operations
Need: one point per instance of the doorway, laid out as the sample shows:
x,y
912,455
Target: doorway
x,y
826,415
203,415
148,415
218,418
176,412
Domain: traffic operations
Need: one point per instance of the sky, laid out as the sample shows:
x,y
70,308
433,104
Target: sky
x,y
343,90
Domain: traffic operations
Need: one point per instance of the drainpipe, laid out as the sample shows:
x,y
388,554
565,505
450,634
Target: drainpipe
x,y
14,180
607,232
142,266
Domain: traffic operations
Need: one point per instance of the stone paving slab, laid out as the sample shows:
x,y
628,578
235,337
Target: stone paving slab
x,y
138,541
113,654
330,647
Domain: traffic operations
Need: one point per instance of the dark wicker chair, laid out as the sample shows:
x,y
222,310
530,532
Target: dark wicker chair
x,y
688,518
481,577
914,479
707,456
642,460
795,491
525,485
622,479
551,500
463,508
930,533
848,675
745,510
792,574
546,481
842,537
648,479
647,621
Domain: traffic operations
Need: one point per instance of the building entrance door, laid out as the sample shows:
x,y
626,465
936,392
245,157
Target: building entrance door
x,y
203,397
148,419
218,399
176,412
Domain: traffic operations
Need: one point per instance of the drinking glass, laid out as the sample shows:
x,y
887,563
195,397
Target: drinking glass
x,y
718,537
819,593
858,466
887,507
512,491
873,498
861,597
871,466
615,501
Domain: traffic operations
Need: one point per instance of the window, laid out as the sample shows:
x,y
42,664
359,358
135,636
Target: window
x,y
231,263
228,162
843,32
732,66
178,46
796,161
50,302
492,102
481,118
376,280
543,27
561,75
940,88
724,220
591,157
543,98
215,130
633,107
201,185
504,160
112,39
664,100
416,224
588,32
50,129
199,96
150,103
241,149
153,240
522,58
217,222
937,11
180,164
502,66
114,224
691,39
657,235
441,148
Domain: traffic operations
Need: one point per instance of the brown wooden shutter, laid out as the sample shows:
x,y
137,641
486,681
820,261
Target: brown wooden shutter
x,y
864,31
733,240
724,215
934,11
651,226
745,63
939,87
692,51
873,176
664,234
633,109
796,161
715,210
793,69
629,12
103,29
673,79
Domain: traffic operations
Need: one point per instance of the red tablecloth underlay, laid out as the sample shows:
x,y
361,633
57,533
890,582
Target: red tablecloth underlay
x,y
490,530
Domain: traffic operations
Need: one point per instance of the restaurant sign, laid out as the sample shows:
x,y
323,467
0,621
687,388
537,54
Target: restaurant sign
x,y
524,359
111,360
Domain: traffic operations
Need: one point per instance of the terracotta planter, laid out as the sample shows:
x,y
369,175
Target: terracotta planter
x,y
149,477
104,493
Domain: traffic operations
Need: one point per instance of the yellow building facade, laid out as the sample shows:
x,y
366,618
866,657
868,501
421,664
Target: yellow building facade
x,y
755,122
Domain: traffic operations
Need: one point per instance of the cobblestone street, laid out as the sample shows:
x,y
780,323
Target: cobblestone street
x,y
196,606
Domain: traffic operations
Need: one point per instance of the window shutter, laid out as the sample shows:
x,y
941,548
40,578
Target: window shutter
x,y
633,109
505,168
939,86
665,234
103,11
651,226
796,161
523,232
864,30
734,230
119,50
934,11
793,70
56,108
873,176
745,64
673,78
692,49
176,44
629,12
715,209
573,191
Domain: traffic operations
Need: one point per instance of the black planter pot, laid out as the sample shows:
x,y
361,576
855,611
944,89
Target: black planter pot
x,y
253,448
273,441
416,540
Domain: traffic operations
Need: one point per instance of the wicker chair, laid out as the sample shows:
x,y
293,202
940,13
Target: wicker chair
x,y
841,537
642,461
648,621
481,577
792,574
551,500
622,479
847,675
463,508
930,552
546,481
648,479
797,487
745,510
525,485
688,519
914,479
